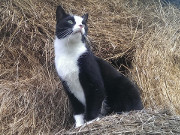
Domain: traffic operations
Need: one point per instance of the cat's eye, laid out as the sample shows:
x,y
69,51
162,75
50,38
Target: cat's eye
x,y
70,21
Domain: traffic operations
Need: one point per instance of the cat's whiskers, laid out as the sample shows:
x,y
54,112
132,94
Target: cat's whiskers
x,y
65,33
69,39
72,33
87,39
68,33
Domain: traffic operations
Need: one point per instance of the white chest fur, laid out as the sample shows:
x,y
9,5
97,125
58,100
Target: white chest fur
x,y
66,58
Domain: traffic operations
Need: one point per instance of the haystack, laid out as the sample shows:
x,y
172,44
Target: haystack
x,y
159,122
140,39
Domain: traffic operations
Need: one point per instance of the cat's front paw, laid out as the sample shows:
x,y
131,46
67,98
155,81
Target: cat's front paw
x,y
78,124
79,120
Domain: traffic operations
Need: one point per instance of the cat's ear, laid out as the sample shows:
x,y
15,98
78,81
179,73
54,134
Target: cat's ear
x,y
85,17
60,13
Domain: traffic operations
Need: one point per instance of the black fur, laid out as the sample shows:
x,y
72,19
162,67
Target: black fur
x,y
92,83
121,94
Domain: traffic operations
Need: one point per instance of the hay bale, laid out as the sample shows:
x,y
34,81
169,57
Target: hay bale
x,y
141,122
31,97
142,38
156,65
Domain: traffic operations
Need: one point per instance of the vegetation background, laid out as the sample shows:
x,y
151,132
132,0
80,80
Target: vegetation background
x,y
141,38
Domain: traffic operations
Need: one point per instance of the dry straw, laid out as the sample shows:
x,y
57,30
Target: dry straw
x,y
141,38
144,122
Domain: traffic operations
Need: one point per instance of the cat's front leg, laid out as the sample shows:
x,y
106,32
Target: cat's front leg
x,y
93,105
77,106
78,110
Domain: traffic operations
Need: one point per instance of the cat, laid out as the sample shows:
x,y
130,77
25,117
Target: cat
x,y
93,86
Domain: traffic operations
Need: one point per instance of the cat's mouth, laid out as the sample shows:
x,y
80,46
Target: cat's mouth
x,y
78,31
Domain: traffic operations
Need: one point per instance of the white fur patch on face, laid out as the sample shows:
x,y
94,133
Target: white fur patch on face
x,y
77,27
79,120
78,31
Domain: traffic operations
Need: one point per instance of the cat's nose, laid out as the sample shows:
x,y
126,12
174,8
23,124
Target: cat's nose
x,y
81,26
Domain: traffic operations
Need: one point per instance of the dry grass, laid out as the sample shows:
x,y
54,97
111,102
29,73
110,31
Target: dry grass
x,y
145,35
143,122
156,63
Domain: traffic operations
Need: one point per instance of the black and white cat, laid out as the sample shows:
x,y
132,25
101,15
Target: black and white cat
x,y
93,86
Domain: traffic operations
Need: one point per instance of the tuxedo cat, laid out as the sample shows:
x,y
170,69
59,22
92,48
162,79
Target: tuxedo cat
x,y
93,86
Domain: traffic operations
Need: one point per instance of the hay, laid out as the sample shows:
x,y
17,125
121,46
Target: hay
x,y
31,97
143,122
141,38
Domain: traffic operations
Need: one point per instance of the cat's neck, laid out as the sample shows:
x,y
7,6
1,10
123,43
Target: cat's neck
x,y
69,47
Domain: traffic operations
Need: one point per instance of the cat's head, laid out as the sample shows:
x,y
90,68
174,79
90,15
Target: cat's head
x,y
70,26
